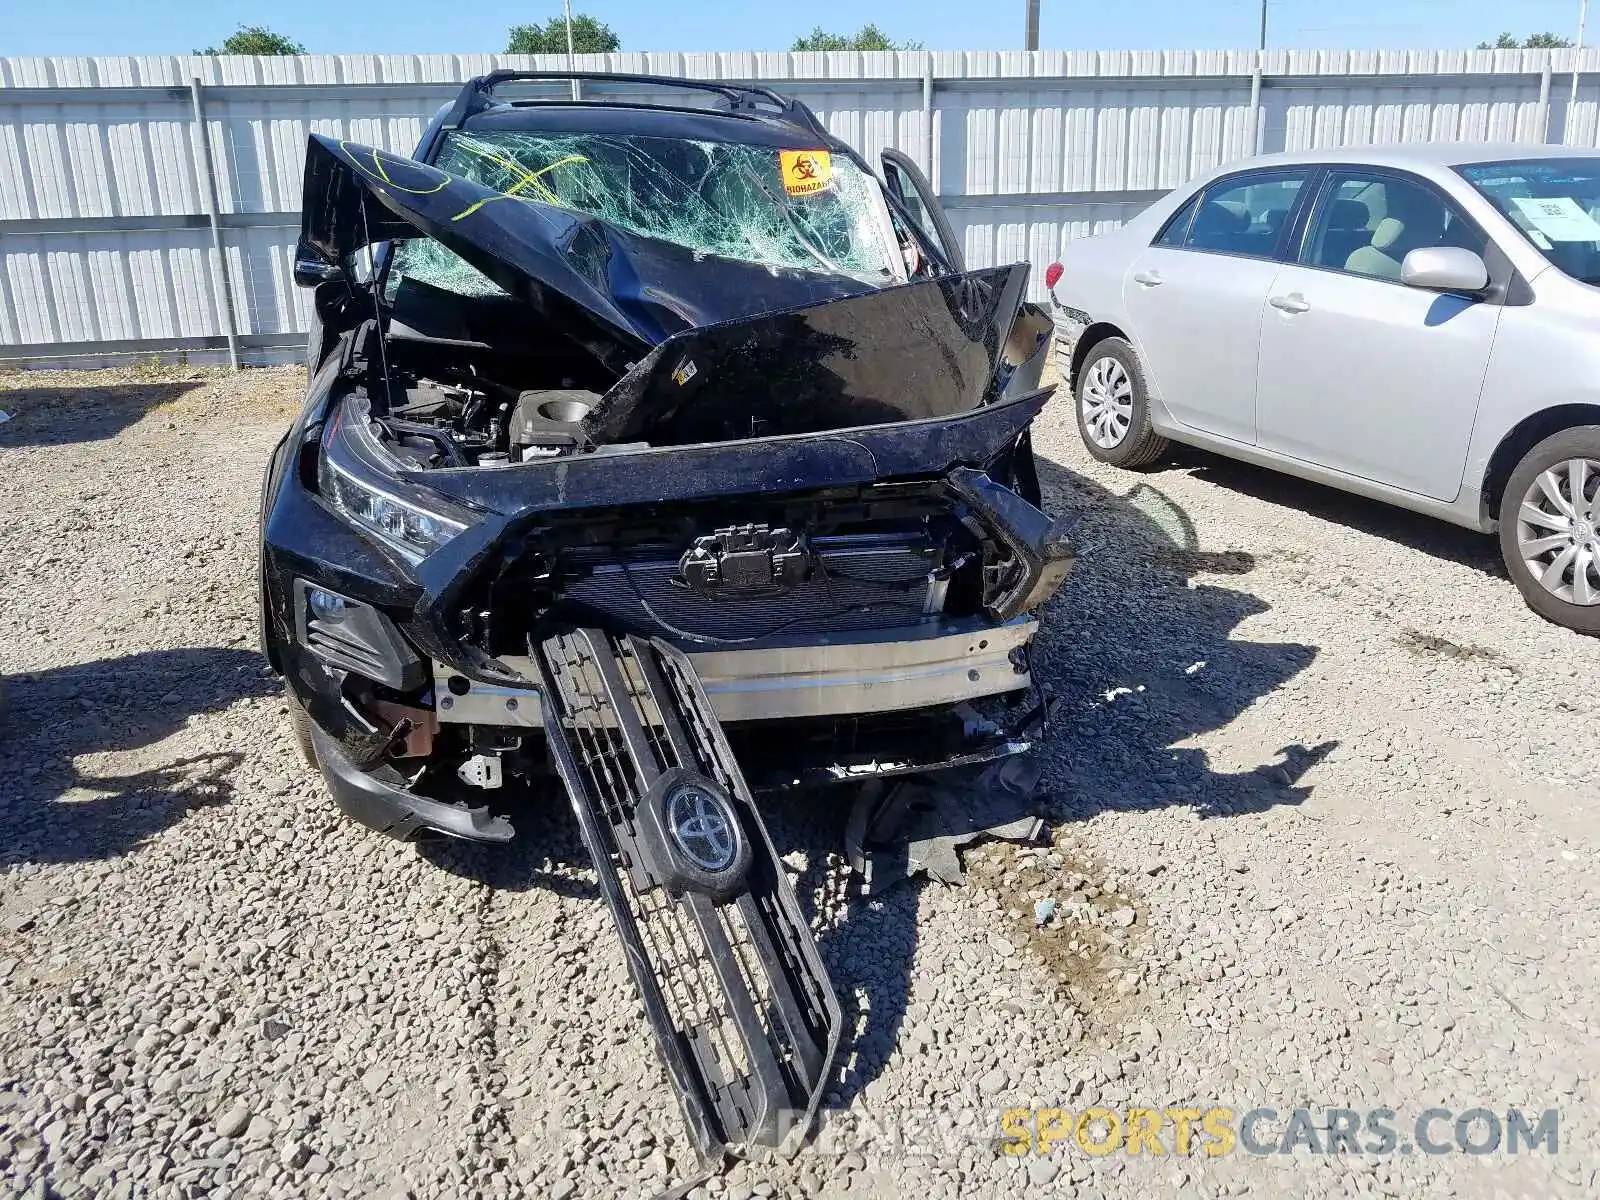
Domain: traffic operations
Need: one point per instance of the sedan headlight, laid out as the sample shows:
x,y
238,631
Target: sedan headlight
x,y
352,478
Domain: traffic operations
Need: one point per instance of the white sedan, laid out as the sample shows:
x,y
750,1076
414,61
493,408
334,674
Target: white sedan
x,y
1419,324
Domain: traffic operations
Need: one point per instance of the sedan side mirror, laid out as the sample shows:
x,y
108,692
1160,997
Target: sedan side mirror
x,y
1444,269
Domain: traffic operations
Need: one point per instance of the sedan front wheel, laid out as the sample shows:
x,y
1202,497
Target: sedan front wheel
x,y
1550,528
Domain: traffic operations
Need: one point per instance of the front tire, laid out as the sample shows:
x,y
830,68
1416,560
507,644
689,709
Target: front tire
x,y
1114,407
300,728
1550,528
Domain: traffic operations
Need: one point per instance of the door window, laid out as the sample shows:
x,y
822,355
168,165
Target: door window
x,y
1246,214
911,188
1177,229
1368,223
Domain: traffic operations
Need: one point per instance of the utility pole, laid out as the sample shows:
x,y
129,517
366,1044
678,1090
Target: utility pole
x,y
1262,44
1577,53
1030,32
567,5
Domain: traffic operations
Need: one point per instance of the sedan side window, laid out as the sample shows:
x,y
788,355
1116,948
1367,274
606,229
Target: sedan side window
x,y
1245,215
1177,229
1368,223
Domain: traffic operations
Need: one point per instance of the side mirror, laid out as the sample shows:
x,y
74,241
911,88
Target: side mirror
x,y
309,272
1444,269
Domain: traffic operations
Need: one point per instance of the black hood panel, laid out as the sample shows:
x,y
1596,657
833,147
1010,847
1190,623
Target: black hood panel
x,y
924,349
906,450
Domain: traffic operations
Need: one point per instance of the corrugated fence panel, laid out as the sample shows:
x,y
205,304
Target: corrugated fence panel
x,y
108,286
104,236
1315,116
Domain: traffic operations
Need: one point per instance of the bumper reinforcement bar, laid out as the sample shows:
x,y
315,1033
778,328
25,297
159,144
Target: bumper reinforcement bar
x,y
746,1019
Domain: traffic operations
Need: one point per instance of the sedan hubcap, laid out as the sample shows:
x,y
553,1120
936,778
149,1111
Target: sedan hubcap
x,y
1107,402
1558,530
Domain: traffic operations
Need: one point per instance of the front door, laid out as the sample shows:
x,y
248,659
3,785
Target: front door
x,y
910,187
1359,372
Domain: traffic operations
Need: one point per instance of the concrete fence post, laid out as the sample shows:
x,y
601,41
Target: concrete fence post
x,y
1257,124
220,275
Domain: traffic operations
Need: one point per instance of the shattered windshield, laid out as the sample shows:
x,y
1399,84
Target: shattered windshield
x,y
802,209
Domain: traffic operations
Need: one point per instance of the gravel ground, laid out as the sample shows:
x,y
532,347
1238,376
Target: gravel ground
x,y
1324,837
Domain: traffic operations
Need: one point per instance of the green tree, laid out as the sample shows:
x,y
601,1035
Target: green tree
x,y
588,37
868,37
1537,41
255,39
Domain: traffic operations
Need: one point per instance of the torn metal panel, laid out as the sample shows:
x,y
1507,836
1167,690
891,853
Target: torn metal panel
x,y
708,348
627,291
919,826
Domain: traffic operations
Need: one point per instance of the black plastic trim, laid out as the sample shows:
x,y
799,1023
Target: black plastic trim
x,y
392,809
366,642
1039,542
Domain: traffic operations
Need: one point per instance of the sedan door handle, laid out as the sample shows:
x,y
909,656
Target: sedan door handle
x,y
1294,302
1148,278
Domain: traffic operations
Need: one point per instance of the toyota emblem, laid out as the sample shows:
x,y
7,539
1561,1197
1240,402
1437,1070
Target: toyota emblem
x,y
702,826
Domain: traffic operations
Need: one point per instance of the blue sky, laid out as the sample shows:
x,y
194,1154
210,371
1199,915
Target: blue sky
x,y
397,26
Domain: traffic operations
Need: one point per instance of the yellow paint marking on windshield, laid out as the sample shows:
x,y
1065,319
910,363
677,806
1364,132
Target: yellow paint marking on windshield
x,y
529,178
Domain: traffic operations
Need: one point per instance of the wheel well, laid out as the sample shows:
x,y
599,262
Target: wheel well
x,y
1523,437
1093,335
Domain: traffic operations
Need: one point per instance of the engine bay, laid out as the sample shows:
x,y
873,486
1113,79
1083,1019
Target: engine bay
x,y
454,407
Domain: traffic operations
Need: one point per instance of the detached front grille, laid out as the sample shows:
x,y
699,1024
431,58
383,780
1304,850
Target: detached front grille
x,y
857,582
744,1013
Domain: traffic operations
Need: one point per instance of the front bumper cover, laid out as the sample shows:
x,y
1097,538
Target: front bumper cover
x,y
390,808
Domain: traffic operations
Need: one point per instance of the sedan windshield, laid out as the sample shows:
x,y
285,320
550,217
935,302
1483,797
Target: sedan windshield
x,y
1555,202
803,209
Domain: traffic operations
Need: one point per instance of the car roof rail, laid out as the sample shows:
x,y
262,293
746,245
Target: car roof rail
x,y
477,94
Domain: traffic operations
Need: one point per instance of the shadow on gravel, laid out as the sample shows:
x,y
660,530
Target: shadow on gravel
x,y
1142,657
541,857
1412,530
53,811
56,416
866,944
1117,648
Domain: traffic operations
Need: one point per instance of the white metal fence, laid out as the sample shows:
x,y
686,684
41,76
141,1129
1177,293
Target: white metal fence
x,y
150,204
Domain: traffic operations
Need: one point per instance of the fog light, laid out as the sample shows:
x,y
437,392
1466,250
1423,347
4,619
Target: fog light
x,y
348,634
326,606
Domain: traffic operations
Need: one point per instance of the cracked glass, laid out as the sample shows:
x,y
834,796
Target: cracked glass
x,y
799,209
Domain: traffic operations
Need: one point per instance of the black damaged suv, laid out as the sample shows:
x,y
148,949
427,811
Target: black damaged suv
x,y
656,451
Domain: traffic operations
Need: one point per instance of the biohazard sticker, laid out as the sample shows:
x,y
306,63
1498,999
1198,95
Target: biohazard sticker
x,y
685,371
805,172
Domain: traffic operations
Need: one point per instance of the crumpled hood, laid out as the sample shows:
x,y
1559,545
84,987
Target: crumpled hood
x,y
706,348
907,353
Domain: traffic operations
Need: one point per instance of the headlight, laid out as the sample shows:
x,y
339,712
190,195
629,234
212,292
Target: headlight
x,y
351,478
